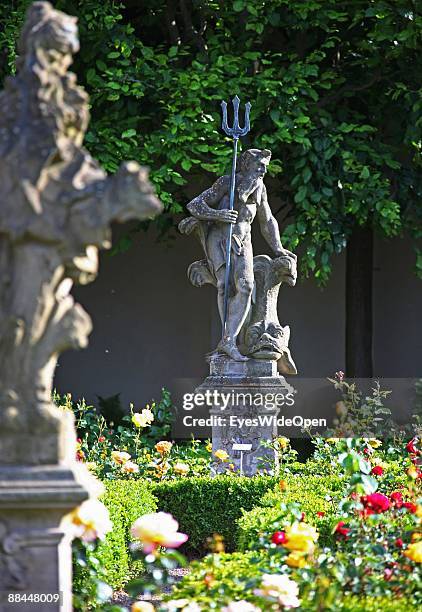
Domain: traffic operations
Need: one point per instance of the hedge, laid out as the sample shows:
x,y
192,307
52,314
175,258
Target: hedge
x,y
205,506
312,493
230,573
126,501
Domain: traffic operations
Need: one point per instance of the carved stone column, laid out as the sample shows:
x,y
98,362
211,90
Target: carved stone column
x,y
56,206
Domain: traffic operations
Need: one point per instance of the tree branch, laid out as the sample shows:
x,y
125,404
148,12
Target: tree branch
x,y
192,33
332,97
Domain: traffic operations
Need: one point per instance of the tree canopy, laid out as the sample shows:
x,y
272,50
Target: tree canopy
x,y
335,93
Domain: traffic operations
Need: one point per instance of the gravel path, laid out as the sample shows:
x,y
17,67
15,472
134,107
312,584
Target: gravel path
x,y
123,599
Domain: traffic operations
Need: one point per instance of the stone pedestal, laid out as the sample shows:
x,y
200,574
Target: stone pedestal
x,y
253,390
35,552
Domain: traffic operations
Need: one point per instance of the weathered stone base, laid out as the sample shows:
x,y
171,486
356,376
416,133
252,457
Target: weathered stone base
x,y
35,543
246,420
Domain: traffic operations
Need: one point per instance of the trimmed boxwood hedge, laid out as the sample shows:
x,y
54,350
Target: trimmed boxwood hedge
x,y
204,506
126,501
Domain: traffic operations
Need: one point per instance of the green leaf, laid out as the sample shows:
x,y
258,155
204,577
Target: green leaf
x,y
306,173
129,133
301,194
186,164
370,484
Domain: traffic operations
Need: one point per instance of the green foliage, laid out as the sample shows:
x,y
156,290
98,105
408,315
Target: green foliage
x,y
353,603
312,494
126,501
226,575
335,94
232,577
206,506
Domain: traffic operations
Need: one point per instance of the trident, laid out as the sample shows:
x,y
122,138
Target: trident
x,y
235,132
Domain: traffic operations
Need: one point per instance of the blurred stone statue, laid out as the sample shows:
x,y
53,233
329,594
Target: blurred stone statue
x,y
252,329
56,206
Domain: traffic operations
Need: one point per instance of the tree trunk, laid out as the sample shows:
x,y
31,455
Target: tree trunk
x,y
359,263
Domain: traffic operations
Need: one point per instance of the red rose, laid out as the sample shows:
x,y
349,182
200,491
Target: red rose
x,y
341,530
377,470
410,446
101,439
279,537
302,516
367,451
399,542
376,502
320,514
410,506
396,499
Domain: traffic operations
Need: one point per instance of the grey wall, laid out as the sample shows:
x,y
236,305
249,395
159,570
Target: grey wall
x,y
151,327
398,308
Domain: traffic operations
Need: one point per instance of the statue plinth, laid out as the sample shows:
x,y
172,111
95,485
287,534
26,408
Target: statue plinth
x,y
34,538
253,389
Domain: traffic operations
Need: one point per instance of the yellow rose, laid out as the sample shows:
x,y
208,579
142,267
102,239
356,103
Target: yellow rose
x,y
142,419
283,442
414,552
412,472
296,559
181,468
301,537
374,442
221,454
282,485
157,529
120,457
281,588
90,520
377,461
142,606
130,467
163,447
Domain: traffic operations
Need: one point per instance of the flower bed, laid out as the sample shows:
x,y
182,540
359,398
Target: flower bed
x,y
340,532
348,542
318,497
